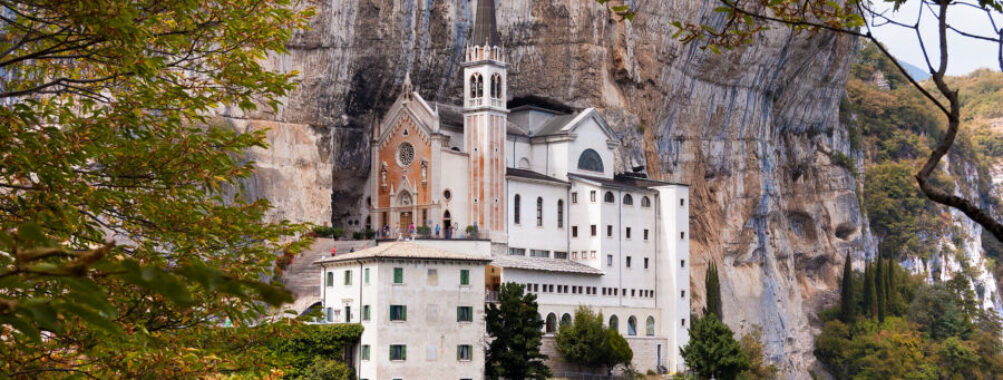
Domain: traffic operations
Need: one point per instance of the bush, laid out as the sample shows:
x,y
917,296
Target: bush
x,y
370,233
472,232
328,232
357,235
587,342
424,230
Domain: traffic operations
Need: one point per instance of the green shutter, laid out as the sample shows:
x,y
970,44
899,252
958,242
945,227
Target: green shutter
x,y
404,313
459,352
391,352
458,315
367,275
404,350
464,277
398,275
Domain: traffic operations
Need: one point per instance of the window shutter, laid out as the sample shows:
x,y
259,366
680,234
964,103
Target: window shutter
x,y
403,352
464,277
391,352
458,315
459,352
404,313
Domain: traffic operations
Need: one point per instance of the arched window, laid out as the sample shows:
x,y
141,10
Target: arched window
x,y
565,319
649,328
631,326
551,323
614,323
496,86
516,203
628,200
609,197
590,160
645,201
560,213
539,211
480,86
476,86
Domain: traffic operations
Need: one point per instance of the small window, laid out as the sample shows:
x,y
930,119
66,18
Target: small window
x,y
464,352
398,275
365,312
365,275
593,230
330,314
398,312
682,263
682,201
398,352
517,251
628,232
539,211
433,276
684,321
682,235
628,200
592,196
574,197
464,314
560,213
609,260
645,234
560,255
590,160
565,319
609,197
574,231
551,323
614,323
348,277
645,201
464,277
645,263
515,208
539,253
682,294
628,261
330,278
649,326
447,194
632,326
365,352
609,230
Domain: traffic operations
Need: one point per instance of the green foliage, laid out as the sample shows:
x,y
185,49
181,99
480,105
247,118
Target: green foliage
x,y
752,346
424,230
897,210
712,351
587,342
881,287
870,293
713,286
107,135
328,232
324,369
516,330
841,159
846,302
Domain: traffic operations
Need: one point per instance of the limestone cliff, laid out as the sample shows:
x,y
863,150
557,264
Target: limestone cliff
x,y
752,130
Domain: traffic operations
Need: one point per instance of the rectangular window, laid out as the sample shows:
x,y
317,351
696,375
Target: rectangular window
x,y
539,253
464,277
398,275
560,255
684,321
398,312
593,254
398,352
365,276
592,196
365,352
464,352
574,231
609,230
645,234
632,292
464,314
682,294
628,232
574,197
609,260
682,236
628,261
593,230
424,216
645,263
433,277
330,279
682,263
517,251
682,201
348,277
365,312
348,314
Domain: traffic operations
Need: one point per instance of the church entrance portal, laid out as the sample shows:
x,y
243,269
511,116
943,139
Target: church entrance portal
x,y
406,219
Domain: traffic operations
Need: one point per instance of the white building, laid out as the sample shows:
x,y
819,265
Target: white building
x,y
538,182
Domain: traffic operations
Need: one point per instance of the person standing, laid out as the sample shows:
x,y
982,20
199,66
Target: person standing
x,y
436,230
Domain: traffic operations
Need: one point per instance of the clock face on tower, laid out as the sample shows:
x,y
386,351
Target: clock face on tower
x,y
405,154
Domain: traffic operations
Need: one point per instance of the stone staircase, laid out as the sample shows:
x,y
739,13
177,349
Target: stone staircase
x,y
302,278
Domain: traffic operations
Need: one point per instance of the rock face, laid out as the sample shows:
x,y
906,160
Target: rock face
x,y
752,130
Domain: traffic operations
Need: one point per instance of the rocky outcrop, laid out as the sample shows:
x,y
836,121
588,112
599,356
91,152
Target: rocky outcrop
x,y
752,130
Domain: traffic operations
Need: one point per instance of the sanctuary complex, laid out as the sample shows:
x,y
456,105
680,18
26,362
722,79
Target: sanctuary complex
x,y
502,191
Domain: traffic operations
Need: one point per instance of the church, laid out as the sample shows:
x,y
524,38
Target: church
x,y
467,197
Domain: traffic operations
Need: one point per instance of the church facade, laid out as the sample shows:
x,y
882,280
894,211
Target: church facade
x,y
531,191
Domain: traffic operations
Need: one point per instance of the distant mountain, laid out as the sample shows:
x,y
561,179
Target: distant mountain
x,y
915,72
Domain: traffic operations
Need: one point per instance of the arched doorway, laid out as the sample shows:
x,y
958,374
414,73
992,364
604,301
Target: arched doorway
x,y
406,217
447,222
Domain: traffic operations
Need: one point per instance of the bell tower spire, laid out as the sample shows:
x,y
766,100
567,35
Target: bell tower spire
x,y
485,116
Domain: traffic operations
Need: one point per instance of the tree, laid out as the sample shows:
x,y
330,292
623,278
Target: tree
x,y
123,226
891,289
880,286
713,286
752,346
516,331
587,342
712,351
846,302
870,294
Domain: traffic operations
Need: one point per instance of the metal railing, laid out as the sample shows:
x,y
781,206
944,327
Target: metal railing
x,y
490,296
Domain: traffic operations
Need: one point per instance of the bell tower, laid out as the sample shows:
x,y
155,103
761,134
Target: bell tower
x,y
485,116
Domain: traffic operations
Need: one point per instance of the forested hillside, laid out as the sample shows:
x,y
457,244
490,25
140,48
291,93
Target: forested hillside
x,y
935,314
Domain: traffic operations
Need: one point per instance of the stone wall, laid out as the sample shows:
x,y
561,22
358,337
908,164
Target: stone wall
x,y
645,354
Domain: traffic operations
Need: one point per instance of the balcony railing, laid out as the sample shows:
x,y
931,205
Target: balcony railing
x,y
490,296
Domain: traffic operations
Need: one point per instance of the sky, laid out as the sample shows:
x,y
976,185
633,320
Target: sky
x,y
966,54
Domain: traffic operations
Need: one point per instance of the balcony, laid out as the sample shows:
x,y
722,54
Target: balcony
x,y
490,296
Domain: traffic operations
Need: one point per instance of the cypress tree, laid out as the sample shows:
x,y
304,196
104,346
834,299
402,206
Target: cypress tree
x,y
846,297
880,285
870,304
713,287
890,291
